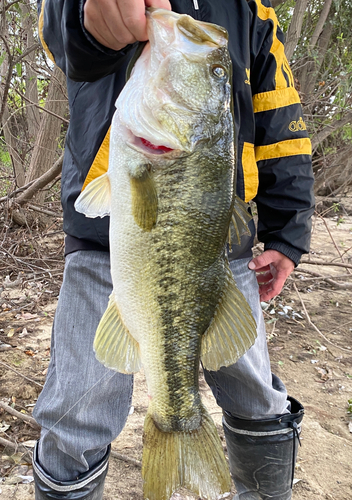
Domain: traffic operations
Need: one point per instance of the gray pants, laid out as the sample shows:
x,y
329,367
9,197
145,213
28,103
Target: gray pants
x,y
84,406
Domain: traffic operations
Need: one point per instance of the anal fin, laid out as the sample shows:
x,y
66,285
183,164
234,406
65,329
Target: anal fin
x,y
114,346
232,331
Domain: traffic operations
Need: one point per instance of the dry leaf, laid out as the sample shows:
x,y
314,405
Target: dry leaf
x,y
28,316
323,373
24,332
31,443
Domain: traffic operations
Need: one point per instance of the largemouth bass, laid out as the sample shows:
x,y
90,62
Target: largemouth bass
x,y
170,194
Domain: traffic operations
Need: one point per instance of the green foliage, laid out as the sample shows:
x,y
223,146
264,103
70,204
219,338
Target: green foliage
x,y
284,14
19,69
349,407
5,170
5,160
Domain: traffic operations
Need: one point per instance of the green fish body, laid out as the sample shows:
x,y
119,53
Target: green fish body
x,y
170,194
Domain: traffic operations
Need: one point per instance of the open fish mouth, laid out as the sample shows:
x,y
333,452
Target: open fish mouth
x,y
146,146
152,148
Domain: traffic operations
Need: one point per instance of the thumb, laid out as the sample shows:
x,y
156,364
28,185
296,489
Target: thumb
x,y
262,261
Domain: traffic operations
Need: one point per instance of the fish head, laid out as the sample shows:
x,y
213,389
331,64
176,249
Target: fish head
x,y
179,90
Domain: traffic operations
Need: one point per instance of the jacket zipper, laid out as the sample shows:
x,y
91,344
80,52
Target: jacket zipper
x,y
196,14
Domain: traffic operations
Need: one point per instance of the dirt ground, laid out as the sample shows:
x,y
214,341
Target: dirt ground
x,y
314,362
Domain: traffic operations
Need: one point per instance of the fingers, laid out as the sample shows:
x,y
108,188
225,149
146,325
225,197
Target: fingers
x,y
264,277
158,4
117,23
263,261
273,268
269,290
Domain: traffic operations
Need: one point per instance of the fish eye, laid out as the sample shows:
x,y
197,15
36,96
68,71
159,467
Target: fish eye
x,y
219,71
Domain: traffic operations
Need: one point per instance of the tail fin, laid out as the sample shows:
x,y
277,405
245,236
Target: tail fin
x,y
194,460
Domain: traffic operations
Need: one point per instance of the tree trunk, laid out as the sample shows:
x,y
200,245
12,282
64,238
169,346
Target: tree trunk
x,y
276,3
320,24
12,147
311,69
330,129
320,37
10,136
295,28
49,131
33,117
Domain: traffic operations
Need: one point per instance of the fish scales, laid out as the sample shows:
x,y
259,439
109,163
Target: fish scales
x,y
174,299
175,264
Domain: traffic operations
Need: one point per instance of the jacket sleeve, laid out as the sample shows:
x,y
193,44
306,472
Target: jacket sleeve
x,y
70,46
285,200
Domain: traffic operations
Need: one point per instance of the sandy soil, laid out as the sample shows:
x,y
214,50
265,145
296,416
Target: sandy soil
x,y
315,365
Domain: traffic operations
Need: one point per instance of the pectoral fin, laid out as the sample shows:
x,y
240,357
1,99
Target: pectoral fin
x,y
95,200
232,331
114,346
238,225
144,200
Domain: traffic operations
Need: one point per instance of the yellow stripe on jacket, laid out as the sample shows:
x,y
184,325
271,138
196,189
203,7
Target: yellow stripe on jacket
x,y
292,147
101,161
277,48
41,36
275,99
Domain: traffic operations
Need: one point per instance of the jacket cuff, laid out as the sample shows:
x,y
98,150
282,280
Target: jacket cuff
x,y
290,252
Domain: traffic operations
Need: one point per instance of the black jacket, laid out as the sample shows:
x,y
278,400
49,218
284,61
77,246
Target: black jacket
x,y
273,149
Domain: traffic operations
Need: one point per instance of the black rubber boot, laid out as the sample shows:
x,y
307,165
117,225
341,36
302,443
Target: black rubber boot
x,y
88,486
262,454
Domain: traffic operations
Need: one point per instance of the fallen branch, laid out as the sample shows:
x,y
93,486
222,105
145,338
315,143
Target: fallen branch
x,y
31,266
17,309
317,263
18,373
317,276
310,322
14,446
44,211
42,181
328,279
17,191
332,238
341,326
124,458
26,418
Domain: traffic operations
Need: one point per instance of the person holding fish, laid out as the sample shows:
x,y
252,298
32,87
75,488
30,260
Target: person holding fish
x,y
159,271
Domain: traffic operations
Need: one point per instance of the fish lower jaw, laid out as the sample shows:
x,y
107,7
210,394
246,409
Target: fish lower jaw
x,y
147,148
150,148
